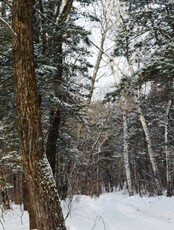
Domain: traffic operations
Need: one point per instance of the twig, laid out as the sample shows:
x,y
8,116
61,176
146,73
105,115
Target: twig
x,y
2,218
98,218
7,27
2,224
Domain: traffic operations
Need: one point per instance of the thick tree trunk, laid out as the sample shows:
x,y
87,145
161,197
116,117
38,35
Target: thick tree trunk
x,y
126,149
168,157
38,174
149,146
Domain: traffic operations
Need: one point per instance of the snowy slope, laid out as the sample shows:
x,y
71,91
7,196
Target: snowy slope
x,y
110,212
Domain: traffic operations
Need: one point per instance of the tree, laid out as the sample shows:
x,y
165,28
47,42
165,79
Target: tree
x,y
3,190
55,116
167,151
9,153
126,153
145,41
60,75
149,146
38,175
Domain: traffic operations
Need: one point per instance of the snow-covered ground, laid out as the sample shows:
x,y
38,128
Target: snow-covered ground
x,y
109,212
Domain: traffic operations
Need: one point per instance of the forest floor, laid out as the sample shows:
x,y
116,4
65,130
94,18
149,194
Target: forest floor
x,y
111,211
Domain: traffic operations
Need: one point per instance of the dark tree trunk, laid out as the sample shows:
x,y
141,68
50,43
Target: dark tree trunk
x,y
17,188
38,174
3,190
53,133
55,115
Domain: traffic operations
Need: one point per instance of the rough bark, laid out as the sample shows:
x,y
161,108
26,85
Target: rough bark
x,y
38,174
167,152
126,149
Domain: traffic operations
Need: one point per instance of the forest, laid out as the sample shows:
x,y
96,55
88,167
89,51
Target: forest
x,y
86,102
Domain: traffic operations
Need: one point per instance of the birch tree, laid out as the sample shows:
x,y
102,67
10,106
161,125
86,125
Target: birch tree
x,y
128,72
101,11
167,151
149,145
126,154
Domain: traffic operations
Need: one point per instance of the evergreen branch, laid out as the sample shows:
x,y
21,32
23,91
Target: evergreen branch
x,y
48,19
6,2
58,8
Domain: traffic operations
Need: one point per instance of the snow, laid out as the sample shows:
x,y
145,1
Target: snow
x,y
109,212
14,219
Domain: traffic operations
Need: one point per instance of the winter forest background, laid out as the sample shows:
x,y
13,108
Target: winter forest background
x,y
103,112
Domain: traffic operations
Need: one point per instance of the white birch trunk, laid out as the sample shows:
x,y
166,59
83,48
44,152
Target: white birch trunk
x,y
96,67
149,145
167,152
94,76
126,149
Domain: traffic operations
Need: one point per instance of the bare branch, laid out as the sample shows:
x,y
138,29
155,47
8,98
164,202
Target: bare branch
x,y
7,27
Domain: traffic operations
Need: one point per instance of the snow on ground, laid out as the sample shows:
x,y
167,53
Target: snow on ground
x,y
14,219
109,212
